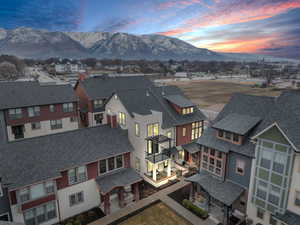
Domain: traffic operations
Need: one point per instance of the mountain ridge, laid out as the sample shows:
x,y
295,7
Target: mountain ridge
x,y
35,43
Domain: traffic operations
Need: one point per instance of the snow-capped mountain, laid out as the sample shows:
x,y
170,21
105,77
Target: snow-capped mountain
x,y
31,43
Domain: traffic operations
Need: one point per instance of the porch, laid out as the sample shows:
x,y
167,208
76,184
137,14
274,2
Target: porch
x,y
217,197
118,189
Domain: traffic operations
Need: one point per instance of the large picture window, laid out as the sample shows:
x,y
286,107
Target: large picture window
x,y
196,130
40,214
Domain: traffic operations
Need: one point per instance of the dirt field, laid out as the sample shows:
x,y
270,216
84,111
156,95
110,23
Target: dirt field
x,y
157,214
213,94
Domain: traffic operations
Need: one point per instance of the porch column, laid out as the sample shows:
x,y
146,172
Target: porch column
x,y
136,192
154,172
192,192
107,204
169,168
121,197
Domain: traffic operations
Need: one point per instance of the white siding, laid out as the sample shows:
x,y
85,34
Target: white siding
x,y
90,194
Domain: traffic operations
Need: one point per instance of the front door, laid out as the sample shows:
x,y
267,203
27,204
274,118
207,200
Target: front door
x,y
18,131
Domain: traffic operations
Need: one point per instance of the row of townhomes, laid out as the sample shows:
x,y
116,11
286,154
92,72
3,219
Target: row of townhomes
x,y
250,161
64,151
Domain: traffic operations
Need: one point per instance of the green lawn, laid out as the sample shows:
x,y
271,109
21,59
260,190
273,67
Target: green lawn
x,y
158,214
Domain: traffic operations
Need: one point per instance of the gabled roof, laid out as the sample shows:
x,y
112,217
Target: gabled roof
x,y
237,123
179,100
102,87
145,101
253,108
32,93
37,159
286,115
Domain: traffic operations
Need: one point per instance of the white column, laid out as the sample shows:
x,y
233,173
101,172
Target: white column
x,y
154,172
169,168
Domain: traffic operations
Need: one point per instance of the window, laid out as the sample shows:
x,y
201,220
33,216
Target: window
x,y
98,103
262,189
196,130
33,111
51,108
137,129
119,161
137,164
187,110
73,119
36,126
111,163
219,155
266,158
205,150
211,162
169,134
220,133
274,195
15,113
122,118
236,137
102,166
240,167
40,214
56,124
49,187
98,118
212,152
228,135
152,130
279,162
76,198
77,175
260,213
24,195
1,190
37,191
183,131
68,107
297,198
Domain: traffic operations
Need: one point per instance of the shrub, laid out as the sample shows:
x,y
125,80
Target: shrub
x,y
196,210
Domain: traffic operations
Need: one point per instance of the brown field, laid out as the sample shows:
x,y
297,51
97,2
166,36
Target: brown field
x,y
213,94
157,214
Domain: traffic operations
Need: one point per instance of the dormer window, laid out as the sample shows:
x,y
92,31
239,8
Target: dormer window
x,y
98,103
220,133
188,110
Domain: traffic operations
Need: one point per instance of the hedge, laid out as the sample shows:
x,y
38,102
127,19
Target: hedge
x,y
196,210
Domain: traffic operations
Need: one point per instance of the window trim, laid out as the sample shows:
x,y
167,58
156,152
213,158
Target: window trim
x,y
137,129
56,126
15,115
66,107
28,188
44,205
77,202
77,175
152,128
36,111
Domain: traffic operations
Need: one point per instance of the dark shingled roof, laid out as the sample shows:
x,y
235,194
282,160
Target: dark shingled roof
x,y
29,93
224,191
144,101
191,147
288,217
119,178
37,159
10,223
103,86
179,100
241,106
237,123
286,113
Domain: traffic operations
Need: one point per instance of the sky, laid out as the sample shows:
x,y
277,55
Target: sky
x,y
254,26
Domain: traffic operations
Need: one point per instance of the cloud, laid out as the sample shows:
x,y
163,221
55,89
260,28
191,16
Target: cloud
x,y
177,3
234,13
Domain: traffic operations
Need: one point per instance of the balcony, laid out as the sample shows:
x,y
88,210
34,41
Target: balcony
x,y
158,148
157,157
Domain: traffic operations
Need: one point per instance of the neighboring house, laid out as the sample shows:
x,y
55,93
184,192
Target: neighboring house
x,y
93,92
181,74
222,185
54,177
5,213
163,126
274,196
69,68
29,109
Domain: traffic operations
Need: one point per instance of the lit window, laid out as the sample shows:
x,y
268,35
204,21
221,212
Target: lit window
x,y
137,129
98,103
196,130
169,134
152,130
122,118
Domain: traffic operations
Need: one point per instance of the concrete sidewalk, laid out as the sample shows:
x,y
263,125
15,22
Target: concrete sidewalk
x,y
162,196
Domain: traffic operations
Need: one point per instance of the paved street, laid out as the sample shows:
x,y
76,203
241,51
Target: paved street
x,y
162,196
